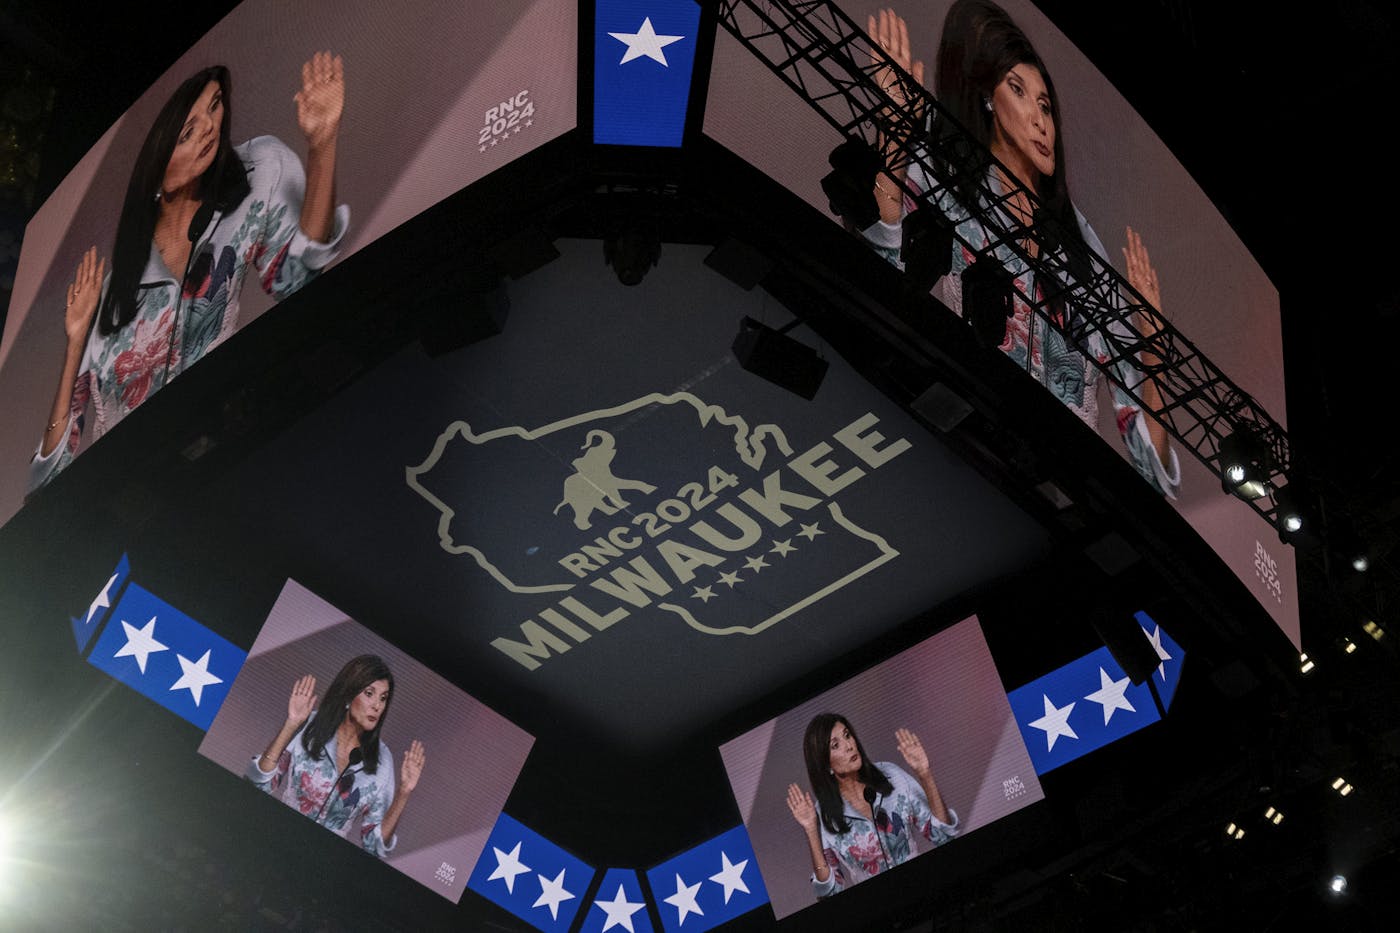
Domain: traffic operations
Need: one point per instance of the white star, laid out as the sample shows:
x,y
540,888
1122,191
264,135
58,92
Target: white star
x,y
644,42
1156,639
195,676
619,911
140,643
103,601
508,865
756,563
494,140
730,578
1112,695
703,593
552,893
782,548
482,149
810,532
731,876
684,900
1055,722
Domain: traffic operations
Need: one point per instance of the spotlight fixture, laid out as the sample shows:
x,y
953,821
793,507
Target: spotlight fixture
x,y
850,186
1374,630
773,355
1338,885
1341,786
1348,645
1294,513
1361,563
1244,468
1273,815
633,251
987,305
1306,663
926,246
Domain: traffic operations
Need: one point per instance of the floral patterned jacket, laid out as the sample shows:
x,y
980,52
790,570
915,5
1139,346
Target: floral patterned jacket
x,y
305,783
1032,343
867,848
174,327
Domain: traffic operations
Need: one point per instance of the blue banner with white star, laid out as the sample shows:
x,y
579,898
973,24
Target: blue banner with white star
x,y
1168,674
165,655
708,885
530,876
644,52
618,905
87,625
1078,708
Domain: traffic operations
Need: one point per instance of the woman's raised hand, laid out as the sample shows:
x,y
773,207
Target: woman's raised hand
x,y
83,293
302,701
804,810
1141,275
891,34
321,98
412,768
912,750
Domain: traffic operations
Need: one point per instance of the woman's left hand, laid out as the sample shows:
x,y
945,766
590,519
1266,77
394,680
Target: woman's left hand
x,y
412,767
912,750
321,98
1141,275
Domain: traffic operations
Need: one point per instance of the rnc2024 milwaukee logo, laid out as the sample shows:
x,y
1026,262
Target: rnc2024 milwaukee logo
x,y
665,504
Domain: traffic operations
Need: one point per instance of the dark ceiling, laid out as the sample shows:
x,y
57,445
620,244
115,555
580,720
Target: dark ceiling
x,y
1259,105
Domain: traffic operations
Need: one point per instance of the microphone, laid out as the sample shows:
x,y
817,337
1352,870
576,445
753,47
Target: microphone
x,y
356,756
871,795
200,220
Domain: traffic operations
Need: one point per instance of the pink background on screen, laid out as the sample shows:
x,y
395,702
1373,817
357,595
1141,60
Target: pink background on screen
x,y
473,754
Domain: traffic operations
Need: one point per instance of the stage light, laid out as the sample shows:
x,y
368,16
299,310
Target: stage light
x,y
1361,563
987,301
1341,786
1348,646
1244,465
1230,830
1295,514
1273,815
1239,834
633,251
1307,664
776,357
926,246
1338,884
850,186
1374,630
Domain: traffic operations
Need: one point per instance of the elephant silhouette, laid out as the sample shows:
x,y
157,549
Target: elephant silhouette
x,y
592,486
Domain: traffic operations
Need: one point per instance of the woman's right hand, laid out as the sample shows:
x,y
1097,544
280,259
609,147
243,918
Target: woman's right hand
x,y
891,34
302,701
804,810
83,293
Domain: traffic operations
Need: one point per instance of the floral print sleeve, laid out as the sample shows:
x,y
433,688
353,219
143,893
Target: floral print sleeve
x,y
178,320
868,846
310,785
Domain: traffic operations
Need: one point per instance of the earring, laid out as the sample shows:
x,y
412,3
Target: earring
x,y
987,104
159,194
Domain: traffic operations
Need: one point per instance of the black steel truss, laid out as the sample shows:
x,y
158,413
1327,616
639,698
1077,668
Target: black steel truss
x,y
828,61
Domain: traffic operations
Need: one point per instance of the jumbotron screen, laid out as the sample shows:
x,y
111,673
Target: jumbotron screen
x,y
898,761
287,138
1134,204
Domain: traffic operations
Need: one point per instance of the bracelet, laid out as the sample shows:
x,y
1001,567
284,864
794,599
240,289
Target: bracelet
x,y
54,424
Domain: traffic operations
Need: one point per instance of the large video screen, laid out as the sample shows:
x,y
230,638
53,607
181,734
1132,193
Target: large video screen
x,y
1128,197
902,759
337,723
286,139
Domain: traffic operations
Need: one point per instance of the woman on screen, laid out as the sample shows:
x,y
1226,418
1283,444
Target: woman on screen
x,y
329,762
865,814
992,81
199,215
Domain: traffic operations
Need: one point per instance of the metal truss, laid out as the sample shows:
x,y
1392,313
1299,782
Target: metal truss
x,y
828,61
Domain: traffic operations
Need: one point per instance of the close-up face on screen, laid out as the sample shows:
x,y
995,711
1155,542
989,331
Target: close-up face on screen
x,y
335,722
905,758
1049,115
282,142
